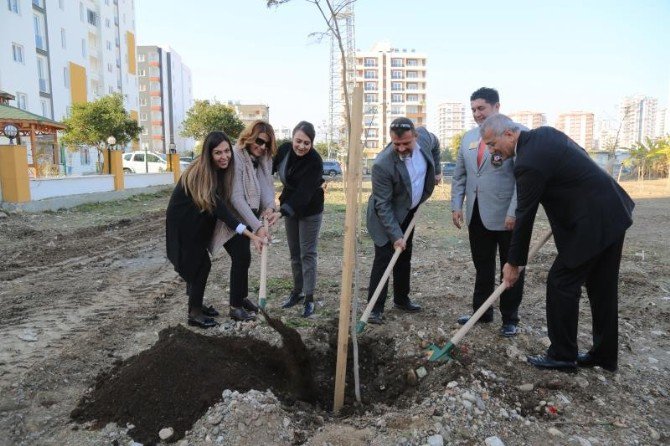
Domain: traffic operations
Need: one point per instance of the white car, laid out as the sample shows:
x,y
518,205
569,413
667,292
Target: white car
x,y
135,162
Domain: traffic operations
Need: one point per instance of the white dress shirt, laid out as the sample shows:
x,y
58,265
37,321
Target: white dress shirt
x,y
416,166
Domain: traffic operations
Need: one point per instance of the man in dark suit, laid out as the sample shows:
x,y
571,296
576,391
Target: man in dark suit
x,y
403,176
589,214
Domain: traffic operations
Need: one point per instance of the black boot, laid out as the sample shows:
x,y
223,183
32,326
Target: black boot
x,y
309,306
292,300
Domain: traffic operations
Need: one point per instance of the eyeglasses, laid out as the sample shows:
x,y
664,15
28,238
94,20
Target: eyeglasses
x,y
261,142
401,125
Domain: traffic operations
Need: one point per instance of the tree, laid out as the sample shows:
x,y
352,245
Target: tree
x,y
331,12
660,155
91,123
206,116
640,156
455,143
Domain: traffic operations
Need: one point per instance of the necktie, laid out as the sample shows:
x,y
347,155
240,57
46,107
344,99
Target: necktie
x,y
480,153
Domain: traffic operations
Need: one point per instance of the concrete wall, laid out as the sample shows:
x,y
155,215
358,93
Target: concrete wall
x,y
136,180
60,187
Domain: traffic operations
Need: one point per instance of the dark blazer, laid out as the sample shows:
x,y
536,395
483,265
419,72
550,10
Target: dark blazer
x,y
188,231
302,177
587,209
391,196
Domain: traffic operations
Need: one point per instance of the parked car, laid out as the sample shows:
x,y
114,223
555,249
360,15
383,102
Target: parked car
x,y
135,162
448,169
332,168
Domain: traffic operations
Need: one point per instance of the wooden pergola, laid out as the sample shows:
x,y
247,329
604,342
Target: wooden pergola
x,y
29,125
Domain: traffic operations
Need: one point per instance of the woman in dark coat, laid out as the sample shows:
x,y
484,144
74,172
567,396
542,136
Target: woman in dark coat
x,y
201,196
300,169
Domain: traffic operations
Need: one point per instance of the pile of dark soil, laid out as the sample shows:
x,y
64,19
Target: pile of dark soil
x,y
174,382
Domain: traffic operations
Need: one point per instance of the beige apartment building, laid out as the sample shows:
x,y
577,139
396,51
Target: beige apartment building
x,y
249,113
578,125
451,117
394,84
530,119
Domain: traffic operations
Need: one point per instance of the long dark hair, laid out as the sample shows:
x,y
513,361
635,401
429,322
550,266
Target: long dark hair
x,y
202,180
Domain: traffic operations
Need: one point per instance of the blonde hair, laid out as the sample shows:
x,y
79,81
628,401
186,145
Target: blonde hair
x,y
251,132
202,180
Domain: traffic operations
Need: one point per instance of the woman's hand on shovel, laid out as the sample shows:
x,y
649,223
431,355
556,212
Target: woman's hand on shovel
x,y
510,275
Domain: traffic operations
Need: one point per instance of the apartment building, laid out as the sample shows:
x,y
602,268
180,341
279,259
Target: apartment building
x,y
249,113
451,118
165,96
530,119
638,119
578,125
394,84
55,53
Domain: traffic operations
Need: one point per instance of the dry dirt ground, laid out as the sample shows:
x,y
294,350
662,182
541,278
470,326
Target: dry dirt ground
x,y
84,289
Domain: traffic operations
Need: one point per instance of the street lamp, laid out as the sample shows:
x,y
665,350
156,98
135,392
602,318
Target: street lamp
x,y
10,132
110,142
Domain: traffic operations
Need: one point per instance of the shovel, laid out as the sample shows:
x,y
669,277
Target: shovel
x,y
366,314
436,353
263,285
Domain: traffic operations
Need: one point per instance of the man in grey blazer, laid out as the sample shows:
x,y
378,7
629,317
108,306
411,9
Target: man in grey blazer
x,y
486,183
403,176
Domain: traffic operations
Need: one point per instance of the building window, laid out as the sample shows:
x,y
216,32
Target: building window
x,y
84,155
396,97
46,110
412,86
412,109
109,67
370,97
370,62
43,74
110,89
412,98
81,12
17,53
370,86
92,17
61,4
396,74
396,62
142,73
396,86
40,41
39,3
145,131
107,23
143,101
21,101
397,110
412,74
83,48
412,63
370,74
13,6
141,57
66,77
63,40
109,45
144,117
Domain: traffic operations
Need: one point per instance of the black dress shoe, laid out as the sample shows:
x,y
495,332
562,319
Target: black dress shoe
x,y
209,311
547,362
240,314
483,320
249,306
201,321
309,308
587,360
292,300
376,317
407,306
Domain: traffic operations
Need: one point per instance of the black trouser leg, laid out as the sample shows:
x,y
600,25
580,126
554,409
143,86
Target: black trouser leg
x,y
238,248
564,287
382,258
602,287
401,270
510,299
196,289
483,248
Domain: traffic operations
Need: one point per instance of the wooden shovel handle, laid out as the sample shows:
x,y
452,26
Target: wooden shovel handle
x,y
262,288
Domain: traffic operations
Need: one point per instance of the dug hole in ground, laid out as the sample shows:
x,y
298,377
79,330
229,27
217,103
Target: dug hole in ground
x,y
95,349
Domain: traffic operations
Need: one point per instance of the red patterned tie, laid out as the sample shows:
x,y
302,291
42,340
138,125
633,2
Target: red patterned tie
x,y
480,153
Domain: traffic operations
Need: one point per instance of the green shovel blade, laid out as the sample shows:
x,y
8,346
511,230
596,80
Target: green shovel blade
x,y
440,354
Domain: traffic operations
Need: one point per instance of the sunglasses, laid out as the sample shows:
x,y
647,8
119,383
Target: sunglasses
x,y
401,125
261,142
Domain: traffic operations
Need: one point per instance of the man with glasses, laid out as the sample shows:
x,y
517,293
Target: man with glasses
x,y
403,176
486,184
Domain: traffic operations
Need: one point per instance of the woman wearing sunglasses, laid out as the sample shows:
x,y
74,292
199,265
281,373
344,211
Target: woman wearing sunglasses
x,y
201,198
300,169
252,198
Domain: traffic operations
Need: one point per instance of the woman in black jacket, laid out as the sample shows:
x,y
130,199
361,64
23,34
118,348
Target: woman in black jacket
x,y
300,169
200,198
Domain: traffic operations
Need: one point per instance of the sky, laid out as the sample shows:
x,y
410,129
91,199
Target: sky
x,y
541,55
